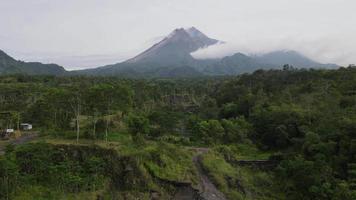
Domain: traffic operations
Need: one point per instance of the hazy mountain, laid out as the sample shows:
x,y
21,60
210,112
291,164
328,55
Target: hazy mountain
x,y
175,49
280,58
240,63
172,57
170,53
9,65
236,64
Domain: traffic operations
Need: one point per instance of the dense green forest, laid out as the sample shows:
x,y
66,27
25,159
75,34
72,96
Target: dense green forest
x,y
111,138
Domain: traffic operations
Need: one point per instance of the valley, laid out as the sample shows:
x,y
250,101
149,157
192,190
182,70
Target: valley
x,y
177,100
272,134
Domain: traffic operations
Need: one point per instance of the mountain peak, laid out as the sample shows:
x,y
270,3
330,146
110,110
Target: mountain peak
x,y
177,34
175,48
194,32
177,31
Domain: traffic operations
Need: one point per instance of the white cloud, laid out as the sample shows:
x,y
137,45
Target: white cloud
x,y
326,49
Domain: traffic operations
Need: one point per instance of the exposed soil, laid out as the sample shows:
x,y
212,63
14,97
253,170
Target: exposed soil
x,y
207,190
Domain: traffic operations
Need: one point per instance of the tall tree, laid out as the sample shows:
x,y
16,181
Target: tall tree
x,y
75,99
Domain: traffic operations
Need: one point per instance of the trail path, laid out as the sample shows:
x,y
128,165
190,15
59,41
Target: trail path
x,y
207,190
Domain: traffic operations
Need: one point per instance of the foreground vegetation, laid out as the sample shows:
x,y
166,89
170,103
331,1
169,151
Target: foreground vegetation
x,y
120,139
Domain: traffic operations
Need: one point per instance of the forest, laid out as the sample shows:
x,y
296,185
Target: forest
x,y
115,138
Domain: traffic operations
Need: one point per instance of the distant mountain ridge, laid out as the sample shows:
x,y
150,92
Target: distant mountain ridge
x,y
9,65
236,64
281,57
174,52
171,57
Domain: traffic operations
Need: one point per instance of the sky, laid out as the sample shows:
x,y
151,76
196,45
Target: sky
x,y
90,33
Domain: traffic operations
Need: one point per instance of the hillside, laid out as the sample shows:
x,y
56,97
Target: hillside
x,y
268,135
236,64
280,58
9,65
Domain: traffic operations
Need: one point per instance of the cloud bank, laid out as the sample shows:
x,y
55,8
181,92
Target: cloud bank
x,y
325,49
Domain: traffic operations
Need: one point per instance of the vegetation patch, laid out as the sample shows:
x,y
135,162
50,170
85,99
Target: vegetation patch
x,y
240,182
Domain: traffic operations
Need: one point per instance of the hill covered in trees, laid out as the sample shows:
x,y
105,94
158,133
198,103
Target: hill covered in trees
x,y
111,138
9,65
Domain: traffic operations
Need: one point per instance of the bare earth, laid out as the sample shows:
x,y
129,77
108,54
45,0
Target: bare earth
x,y
207,190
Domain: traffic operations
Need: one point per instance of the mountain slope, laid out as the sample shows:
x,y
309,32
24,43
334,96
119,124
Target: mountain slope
x,y
280,58
170,53
172,57
175,48
9,65
236,64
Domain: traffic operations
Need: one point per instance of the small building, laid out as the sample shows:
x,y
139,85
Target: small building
x,y
9,130
26,126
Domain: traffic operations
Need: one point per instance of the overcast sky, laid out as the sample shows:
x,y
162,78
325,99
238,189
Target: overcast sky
x,y
89,33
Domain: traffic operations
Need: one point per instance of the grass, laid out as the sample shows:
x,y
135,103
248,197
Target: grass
x,y
37,192
3,143
170,162
220,171
242,152
118,141
260,184
173,162
122,137
250,152
240,182
163,160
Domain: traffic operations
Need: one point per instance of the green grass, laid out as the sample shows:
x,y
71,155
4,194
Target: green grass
x,y
40,192
3,143
119,141
44,193
122,137
170,162
242,152
259,184
240,182
173,162
250,152
164,160
220,171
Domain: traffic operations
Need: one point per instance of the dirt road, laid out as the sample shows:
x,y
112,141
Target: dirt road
x,y
207,190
